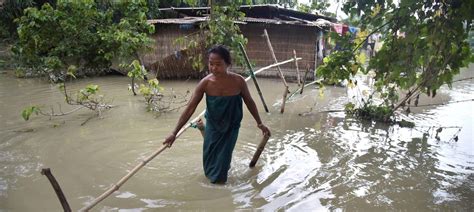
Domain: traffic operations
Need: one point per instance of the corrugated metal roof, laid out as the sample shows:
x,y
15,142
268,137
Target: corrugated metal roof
x,y
283,22
265,8
187,20
195,20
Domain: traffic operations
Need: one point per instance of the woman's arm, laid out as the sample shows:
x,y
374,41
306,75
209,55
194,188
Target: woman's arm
x,y
188,112
252,107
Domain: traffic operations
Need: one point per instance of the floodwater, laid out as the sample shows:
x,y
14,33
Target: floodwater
x,y
313,161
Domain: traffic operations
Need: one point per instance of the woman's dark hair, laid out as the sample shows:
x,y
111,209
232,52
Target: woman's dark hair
x,y
222,51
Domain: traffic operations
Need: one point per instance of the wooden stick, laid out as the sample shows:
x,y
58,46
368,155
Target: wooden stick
x,y
274,57
260,148
116,186
304,80
298,77
252,75
285,93
154,154
269,43
57,189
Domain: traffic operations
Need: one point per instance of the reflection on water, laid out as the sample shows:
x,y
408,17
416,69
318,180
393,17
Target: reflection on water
x,y
318,161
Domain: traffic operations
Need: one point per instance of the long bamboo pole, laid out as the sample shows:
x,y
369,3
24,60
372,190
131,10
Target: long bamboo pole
x,y
276,64
269,43
116,186
252,75
124,179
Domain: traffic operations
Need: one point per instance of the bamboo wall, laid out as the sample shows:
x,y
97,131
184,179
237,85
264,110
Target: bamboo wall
x,y
284,39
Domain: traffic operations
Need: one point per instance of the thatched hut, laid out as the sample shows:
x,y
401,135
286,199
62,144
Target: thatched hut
x,y
288,30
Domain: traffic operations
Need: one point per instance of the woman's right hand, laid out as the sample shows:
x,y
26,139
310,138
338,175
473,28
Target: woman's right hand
x,y
169,140
265,130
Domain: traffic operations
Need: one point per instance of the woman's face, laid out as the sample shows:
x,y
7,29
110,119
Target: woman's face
x,y
216,64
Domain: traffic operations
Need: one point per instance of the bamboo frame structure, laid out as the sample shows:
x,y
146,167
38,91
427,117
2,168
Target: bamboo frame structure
x,y
116,186
269,43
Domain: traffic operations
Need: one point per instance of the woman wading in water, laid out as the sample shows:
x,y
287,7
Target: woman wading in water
x,y
224,93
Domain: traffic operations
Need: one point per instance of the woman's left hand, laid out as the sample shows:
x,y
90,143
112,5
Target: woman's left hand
x,y
265,130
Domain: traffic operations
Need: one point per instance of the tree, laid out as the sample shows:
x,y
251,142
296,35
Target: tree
x,y
220,29
316,6
424,46
79,33
11,10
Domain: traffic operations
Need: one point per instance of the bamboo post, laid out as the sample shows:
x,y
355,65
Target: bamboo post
x,y
304,80
283,103
298,77
57,189
269,43
260,148
252,75
274,57
116,186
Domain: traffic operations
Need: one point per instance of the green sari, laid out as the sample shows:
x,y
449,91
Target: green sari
x,y
223,116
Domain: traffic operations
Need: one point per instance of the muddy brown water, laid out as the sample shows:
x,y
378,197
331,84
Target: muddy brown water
x,y
313,162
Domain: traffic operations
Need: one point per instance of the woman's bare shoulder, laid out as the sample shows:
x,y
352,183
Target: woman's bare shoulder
x,y
237,77
204,81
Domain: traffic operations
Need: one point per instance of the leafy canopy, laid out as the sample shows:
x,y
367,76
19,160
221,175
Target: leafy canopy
x,y
78,33
424,46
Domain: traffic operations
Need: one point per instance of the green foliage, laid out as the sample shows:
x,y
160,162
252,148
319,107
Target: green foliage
x,y
341,64
316,6
9,11
150,91
424,46
137,71
28,111
220,29
370,112
158,101
406,124
78,33
284,3
87,93
153,9
87,97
